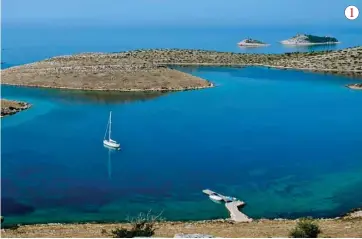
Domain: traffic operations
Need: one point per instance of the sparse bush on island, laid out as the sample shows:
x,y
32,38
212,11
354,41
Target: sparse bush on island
x,y
305,228
144,225
318,39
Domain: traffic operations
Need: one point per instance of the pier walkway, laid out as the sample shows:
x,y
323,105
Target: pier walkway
x,y
232,206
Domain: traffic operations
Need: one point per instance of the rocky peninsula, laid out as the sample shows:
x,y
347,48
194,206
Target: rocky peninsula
x,y
10,107
101,71
150,70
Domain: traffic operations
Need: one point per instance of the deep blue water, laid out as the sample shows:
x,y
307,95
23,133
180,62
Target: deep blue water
x,y
286,142
24,44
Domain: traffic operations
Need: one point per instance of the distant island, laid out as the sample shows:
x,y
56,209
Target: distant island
x,y
307,39
357,86
157,69
252,43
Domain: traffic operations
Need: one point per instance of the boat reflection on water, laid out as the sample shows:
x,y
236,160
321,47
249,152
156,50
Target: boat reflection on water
x,y
110,151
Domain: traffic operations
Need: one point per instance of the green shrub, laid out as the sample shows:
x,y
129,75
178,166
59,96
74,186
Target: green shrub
x,y
317,39
142,226
305,228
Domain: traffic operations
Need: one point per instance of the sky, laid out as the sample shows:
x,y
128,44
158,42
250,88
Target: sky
x,y
180,12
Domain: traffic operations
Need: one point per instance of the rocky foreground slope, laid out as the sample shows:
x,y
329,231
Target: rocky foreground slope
x,y
335,228
148,70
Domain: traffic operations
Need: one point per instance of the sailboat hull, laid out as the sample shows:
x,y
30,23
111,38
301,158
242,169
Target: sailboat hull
x,y
111,144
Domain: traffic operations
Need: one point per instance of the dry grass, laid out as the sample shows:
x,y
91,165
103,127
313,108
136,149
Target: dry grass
x,y
142,80
10,103
101,72
347,61
259,228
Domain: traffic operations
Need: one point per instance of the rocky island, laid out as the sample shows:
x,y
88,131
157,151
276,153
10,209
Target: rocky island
x,y
252,43
357,86
307,39
151,70
10,107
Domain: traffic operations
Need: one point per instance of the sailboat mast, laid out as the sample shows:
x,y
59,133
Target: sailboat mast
x,y
110,125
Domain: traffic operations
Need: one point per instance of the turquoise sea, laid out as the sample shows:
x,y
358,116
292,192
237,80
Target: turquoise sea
x,y
286,142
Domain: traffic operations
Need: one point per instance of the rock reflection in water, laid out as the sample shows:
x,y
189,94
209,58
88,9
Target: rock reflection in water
x,y
107,96
309,48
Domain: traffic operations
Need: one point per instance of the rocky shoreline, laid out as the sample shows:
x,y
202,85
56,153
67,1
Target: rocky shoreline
x,y
307,39
101,72
347,61
10,107
357,86
150,70
349,225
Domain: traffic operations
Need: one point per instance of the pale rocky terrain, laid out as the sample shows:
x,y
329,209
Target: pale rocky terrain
x,y
307,39
148,70
347,61
9,107
95,71
357,86
336,228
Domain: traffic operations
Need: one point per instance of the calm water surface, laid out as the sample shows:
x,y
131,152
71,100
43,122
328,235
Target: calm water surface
x,y
24,44
286,142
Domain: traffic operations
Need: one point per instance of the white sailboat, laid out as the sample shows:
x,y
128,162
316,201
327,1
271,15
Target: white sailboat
x,y
110,142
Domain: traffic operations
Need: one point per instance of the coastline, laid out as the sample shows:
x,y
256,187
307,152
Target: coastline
x,y
357,73
357,86
11,107
211,85
309,43
349,225
332,71
252,45
147,70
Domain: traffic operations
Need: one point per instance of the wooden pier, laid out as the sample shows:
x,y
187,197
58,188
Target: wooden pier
x,y
233,207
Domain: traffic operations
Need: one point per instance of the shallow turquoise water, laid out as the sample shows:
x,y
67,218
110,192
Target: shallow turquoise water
x,y
286,142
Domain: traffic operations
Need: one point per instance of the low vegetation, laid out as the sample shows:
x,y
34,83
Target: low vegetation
x,y
9,107
148,70
305,228
141,226
318,39
336,228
